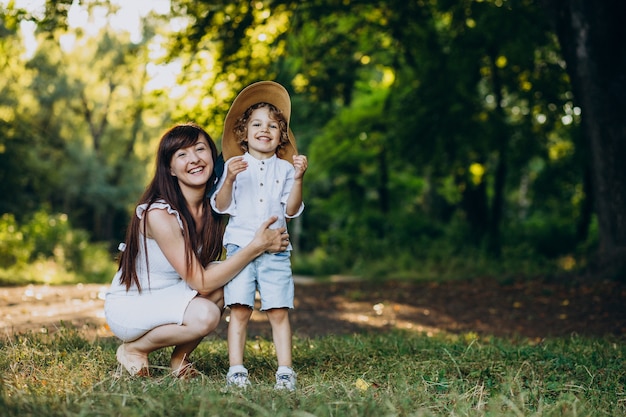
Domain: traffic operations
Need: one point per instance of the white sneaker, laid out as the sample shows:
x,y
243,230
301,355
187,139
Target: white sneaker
x,y
286,381
237,379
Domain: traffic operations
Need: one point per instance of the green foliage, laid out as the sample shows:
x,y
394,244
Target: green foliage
x,y
46,249
77,141
13,249
441,135
397,374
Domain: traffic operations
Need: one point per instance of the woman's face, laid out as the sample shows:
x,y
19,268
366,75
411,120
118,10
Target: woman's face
x,y
193,165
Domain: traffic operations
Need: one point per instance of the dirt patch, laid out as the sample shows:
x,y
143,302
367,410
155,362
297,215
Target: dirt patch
x,y
44,308
532,309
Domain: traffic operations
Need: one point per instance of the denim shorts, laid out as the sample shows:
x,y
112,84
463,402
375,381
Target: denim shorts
x,y
270,274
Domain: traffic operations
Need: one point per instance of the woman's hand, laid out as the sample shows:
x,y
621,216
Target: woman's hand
x,y
271,240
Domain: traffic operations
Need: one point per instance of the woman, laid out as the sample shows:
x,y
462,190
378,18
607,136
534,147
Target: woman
x,y
168,289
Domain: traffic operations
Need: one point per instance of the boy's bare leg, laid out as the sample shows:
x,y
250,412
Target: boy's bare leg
x,y
281,334
237,327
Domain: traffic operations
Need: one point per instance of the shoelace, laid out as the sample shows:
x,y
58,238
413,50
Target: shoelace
x,y
239,378
284,378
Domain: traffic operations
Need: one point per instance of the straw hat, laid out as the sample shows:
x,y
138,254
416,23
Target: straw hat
x,y
260,92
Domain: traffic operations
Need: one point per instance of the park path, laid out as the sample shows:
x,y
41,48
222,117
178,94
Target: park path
x,y
45,308
533,309
42,308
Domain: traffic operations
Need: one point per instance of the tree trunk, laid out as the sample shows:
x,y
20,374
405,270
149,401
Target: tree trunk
x,y
494,243
476,208
592,36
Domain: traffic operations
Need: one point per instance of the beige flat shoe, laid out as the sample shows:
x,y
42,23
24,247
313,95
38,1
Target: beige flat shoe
x,y
134,368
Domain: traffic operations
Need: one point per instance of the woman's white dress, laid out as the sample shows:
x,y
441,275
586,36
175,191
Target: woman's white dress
x,y
164,296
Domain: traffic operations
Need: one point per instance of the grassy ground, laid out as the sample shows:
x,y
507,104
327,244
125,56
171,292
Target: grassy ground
x,y
390,374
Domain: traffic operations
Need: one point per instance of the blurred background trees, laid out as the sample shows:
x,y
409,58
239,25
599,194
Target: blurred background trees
x,y
445,138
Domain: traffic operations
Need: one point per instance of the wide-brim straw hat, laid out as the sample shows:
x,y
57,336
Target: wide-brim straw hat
x,y
259,92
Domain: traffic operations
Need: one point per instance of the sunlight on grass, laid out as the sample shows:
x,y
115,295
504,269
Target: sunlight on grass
x,y
360,375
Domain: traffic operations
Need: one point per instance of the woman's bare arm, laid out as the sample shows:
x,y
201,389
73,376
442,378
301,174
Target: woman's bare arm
x,y
163,227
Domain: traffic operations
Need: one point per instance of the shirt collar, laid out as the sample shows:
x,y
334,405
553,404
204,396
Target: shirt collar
x,y
250,158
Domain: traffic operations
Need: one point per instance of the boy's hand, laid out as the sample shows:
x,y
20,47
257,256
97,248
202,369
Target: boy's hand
x,y
236,166
300,164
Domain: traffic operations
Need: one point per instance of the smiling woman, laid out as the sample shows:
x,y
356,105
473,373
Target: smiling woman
x,y
193,166
168,288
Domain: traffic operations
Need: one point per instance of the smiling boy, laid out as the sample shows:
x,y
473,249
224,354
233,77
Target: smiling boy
x,y
262,177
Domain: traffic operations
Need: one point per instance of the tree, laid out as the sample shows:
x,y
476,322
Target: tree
x,y
469,80
26,151
592,36
448,120
82,120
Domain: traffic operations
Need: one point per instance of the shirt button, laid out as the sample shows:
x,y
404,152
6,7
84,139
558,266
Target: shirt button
x,y
261,200
261,184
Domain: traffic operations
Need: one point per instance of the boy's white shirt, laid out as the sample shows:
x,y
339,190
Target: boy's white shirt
x,y
259,192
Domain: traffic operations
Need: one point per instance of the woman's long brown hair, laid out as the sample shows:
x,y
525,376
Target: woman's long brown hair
x,y
206,244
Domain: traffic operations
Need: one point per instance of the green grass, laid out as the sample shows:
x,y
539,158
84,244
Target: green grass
x,y
402,374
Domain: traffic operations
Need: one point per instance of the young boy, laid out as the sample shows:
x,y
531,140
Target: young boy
x,y
259,181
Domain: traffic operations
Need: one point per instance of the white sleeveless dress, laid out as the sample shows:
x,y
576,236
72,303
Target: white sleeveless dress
x,y
163,298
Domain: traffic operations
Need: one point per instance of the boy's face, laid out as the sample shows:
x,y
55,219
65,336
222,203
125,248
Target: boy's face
x,y
263,134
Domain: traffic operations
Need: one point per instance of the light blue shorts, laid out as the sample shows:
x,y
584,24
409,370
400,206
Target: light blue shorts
x,y
270,273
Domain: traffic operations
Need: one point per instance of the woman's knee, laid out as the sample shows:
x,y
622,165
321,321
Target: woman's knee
x,y
204,316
